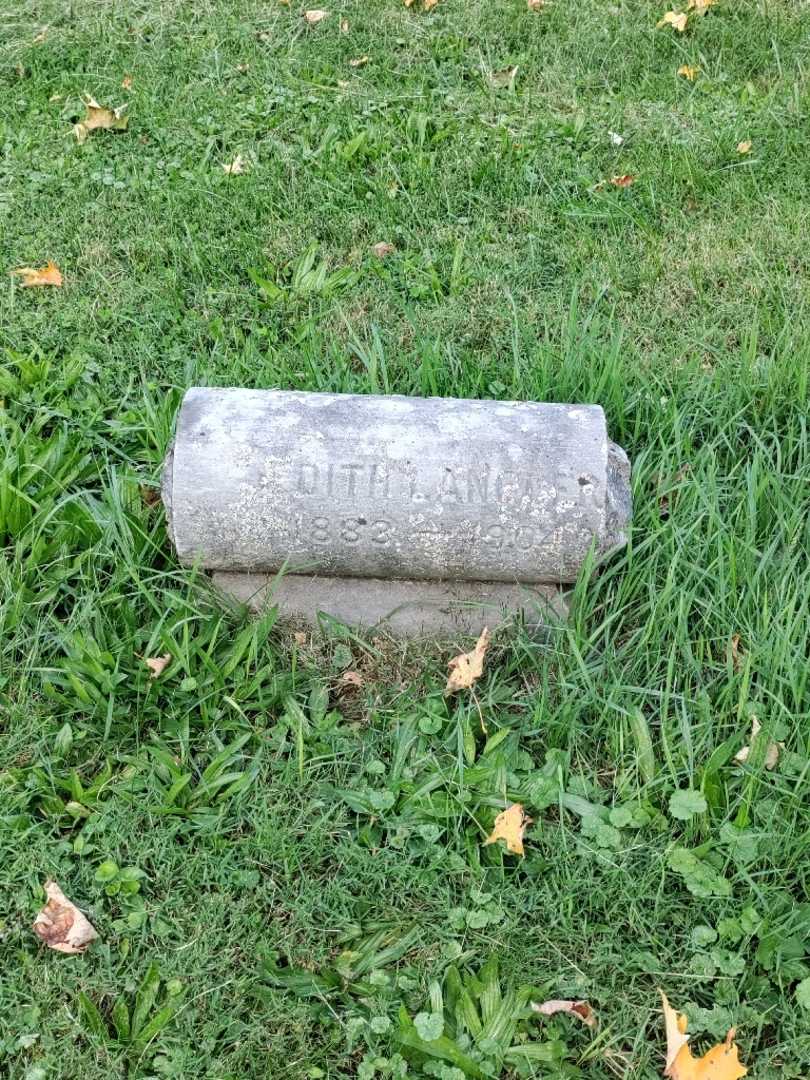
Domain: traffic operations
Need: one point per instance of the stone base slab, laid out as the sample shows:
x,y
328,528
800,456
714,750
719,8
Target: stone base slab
x,y
402,608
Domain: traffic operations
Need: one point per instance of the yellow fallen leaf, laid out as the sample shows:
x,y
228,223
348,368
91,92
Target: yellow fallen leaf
x,y
771,754
315,16
126,82
676,1032
100,118
504,79
623,181
700,6
40,37
688,71
580,1009
510,825
722,1062
466,668
237,166
359,61
744,147
429,5
46,275
61,925
676,19
157,664
535,5
382,249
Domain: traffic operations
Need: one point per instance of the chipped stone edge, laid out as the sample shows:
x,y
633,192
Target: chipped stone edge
x,y
618,501
166,492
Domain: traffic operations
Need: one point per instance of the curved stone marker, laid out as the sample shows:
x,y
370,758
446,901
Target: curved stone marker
x,y
388,491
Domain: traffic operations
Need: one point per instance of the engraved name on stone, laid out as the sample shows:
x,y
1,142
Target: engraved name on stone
x,y
378,480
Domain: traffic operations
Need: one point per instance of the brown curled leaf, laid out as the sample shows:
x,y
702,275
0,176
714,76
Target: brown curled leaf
x,y
580,1009
61,925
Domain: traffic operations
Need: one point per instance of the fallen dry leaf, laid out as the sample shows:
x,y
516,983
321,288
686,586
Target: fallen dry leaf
x,y
682,473
61,925
157,664
467,667
100,118
359,61
126,82
429,5
503,80
736,652
744,147
315,16
535,5
700,6
720,1063
676,1033
382,249
580,1009
623,181
771,754
48,274
676,19
351,678
300,637
688,71
237,166
344,26
510,825
40,37
150,496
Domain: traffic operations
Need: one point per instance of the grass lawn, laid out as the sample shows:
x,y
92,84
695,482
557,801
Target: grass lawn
x,y
279,859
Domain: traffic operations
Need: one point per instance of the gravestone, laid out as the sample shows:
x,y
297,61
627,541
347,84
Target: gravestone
x,y
420,514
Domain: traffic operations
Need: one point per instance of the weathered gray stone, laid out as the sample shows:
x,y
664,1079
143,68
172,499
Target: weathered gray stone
x,y
393,487
402,608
